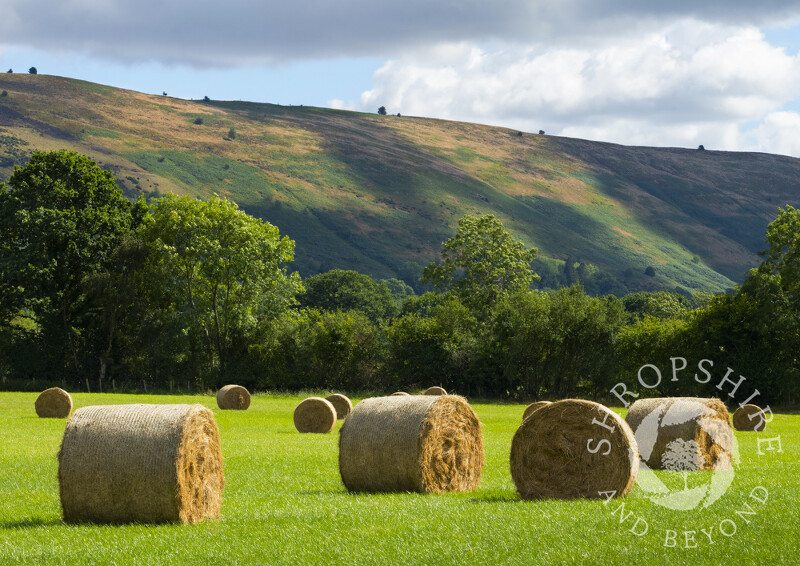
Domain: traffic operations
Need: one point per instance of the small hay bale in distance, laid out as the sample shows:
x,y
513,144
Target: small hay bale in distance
x,y
315,414
341,403
233,397
750,418
53,403
141,463
435,390
572,449
400,393
686,433
419,443
533,407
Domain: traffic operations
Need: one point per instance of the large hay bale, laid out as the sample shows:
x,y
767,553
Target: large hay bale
x,y
341,404
749,418
141,463
533,407
435,390
573,448
682,433
315,414
233,397
427,444
53,403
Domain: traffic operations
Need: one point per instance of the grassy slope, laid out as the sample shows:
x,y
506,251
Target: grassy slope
x,y
380,193
284,503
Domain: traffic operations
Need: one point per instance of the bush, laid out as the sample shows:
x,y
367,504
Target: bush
x,y
32,71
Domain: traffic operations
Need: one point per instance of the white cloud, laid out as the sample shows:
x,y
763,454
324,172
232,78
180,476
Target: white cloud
x,y
779,132
690,83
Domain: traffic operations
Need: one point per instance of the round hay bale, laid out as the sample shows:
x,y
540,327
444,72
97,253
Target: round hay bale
x,y
426,444
315,414
141,463
749,418
573,448
341,403
701,424
53,403
400,393
532,407
233,397
435,391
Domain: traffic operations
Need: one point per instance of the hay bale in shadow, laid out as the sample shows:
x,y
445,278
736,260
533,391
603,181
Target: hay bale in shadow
x,y
694,432
233,397
426,444
341,403
141,463
532,407
400,393
435,390
315,414
573,449
750,418
53,403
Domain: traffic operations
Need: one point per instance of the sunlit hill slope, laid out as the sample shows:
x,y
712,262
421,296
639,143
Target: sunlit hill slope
x,y
380,193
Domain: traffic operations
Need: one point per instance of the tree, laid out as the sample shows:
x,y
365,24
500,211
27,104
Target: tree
x,y
61,217
32,70
382,111
345,290
219,272
481,263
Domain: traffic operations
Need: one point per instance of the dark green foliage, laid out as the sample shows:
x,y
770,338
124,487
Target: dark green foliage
x,y
319,349
344,290
382,111
660,304
198,121
32,71
4,94
61,217
481,263
556,344
650,271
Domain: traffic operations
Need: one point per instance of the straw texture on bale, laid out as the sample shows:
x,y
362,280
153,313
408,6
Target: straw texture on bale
x,y
341,403
53,403
435,390
425,444
233,397
315,414
749,418
562,452
533,407
400,393
694,432
141,463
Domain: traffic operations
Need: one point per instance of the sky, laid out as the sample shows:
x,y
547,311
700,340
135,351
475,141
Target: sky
x,y
678,73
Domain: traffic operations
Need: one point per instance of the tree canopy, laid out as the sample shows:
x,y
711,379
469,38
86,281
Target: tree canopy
x,y
61,216
481,263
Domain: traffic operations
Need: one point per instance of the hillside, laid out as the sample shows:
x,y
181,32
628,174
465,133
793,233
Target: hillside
x,y
380,193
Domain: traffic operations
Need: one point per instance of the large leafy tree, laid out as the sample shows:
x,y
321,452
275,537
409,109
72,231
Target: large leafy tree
x,y
481,263
218,272
61,217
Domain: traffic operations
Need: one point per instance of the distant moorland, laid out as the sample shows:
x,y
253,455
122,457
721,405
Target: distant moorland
x,y
379,194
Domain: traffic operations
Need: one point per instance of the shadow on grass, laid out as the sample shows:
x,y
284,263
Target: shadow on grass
x,y
32,523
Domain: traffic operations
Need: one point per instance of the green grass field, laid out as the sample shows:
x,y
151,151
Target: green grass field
x,y
284,503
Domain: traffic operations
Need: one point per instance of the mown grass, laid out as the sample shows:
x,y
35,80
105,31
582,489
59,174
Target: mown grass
x,y
284,503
